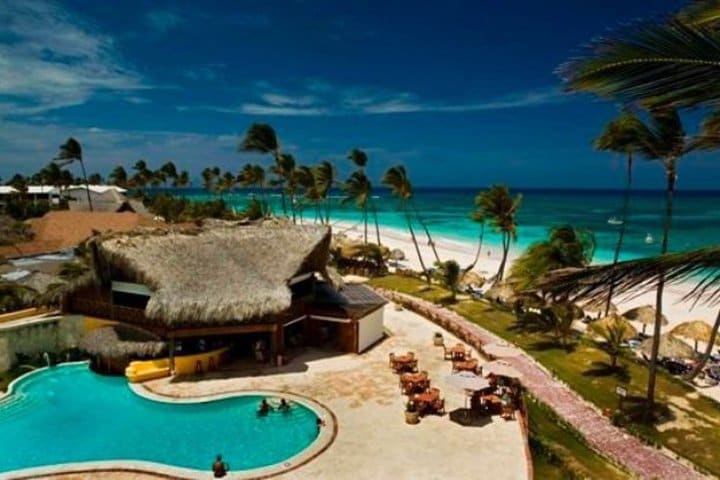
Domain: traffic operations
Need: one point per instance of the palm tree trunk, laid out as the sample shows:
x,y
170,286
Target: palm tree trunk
x,y
477,254
365,223
427,232
415,243
87,187
621,235
377,225
708,350
506,248
670,173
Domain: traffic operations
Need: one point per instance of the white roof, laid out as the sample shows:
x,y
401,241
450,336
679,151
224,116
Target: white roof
x,y
40,189
98,188
7,190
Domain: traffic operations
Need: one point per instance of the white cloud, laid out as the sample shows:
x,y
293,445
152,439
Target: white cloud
x,y
51,59
319,98
163,20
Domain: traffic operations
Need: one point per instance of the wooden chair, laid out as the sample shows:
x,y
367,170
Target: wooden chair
x,y
438,406
447,353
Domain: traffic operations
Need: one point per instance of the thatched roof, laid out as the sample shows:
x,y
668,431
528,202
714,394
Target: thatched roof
x,y
216,274
670,347
644,314
614,322
697,330
120,340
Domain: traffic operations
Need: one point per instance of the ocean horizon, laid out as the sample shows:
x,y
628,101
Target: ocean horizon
x,y
445,211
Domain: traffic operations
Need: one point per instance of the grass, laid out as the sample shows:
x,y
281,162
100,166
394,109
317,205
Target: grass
x,y
689,423
560,453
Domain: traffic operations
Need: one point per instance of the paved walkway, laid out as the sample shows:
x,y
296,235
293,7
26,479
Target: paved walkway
x,y
639,459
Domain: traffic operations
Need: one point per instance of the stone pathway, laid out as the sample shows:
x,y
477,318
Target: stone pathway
x,y
639,459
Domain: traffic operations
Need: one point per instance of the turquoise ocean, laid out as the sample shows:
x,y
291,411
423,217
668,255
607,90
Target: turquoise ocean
x,y
696,220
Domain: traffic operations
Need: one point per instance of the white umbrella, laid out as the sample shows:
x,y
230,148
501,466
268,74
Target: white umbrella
x,y
467,381
500,369
500,350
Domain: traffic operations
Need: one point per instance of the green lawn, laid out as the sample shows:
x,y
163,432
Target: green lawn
x,y
691,423
558,453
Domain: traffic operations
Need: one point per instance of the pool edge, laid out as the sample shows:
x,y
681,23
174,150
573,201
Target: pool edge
x,y
327,436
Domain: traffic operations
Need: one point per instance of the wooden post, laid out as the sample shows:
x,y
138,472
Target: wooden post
x,y
171,353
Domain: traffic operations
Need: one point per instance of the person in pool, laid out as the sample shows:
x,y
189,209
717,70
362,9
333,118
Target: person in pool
x,y
219,468
264,408
284,405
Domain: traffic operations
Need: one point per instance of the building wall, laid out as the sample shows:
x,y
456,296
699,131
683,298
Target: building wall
x,y
34,338
370,329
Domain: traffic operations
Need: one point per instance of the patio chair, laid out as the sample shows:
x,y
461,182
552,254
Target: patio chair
x,y
447,354
438,406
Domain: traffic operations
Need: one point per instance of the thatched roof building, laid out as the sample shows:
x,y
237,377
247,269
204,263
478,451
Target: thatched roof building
x,y
216,274
121,340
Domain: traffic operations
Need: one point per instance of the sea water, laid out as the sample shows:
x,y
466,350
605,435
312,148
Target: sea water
x,y
696,218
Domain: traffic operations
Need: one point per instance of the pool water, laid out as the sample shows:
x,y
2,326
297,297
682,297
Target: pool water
x,y
69,414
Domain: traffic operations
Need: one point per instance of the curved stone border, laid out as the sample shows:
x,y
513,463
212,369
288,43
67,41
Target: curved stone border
x,y
613,443
323,441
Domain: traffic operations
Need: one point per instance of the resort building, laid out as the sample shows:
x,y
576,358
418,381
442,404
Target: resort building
x,y
249,290
104,198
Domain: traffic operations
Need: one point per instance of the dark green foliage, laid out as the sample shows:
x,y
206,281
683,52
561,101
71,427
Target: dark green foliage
x,y
174,209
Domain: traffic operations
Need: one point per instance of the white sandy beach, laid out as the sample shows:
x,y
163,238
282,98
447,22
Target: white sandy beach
x,y
464,253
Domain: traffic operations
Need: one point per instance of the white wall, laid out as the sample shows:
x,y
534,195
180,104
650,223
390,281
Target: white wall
x,y
34,338
370,329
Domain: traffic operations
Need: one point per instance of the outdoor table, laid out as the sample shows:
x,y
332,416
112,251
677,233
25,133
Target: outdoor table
x,y
410,382
404,363
492,401
459,352
466,365
426,397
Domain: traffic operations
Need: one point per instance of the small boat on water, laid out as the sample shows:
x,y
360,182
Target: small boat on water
x,y
649,239
614,221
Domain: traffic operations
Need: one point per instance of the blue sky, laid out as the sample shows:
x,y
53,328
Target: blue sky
x,y
462,93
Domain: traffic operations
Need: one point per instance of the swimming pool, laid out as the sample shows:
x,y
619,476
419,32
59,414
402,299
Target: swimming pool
x,y
68,414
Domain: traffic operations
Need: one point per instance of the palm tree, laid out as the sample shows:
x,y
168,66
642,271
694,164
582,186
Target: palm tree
x,y
673,63
70,152
182,180
359,158
253,175
615,331
324,175
261,138
284,170
225,183
142,176
210,176
169,172
397,180
478,217
566,247
623,135
357,189
499,208
95,179
449,275
119,176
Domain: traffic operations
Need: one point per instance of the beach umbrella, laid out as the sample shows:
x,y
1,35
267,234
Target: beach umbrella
x,y
467,381
612,321
644,315
500,350
696,330
472,278
500,369
670,347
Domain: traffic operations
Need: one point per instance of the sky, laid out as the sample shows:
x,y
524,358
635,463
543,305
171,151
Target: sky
x,y
463,93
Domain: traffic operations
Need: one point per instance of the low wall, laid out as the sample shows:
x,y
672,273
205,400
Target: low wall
x,y
50,334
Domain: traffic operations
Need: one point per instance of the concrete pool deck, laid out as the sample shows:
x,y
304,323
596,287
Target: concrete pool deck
x,y
373,440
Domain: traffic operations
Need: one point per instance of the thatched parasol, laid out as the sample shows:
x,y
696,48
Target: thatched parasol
x,y
120,340
502,291
472,278
611,322
645,315
670,347
500,369
697,330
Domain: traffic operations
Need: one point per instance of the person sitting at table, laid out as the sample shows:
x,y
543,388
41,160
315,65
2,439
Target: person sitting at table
x,y
264,408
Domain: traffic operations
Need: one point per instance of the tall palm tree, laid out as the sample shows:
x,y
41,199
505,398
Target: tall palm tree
x,y
478,217
118,176
182,180
499,208
673,63
360,159
324,175
664,140
304,178
70,152
357,189
397,180
624,134
210,176
253,175
285,178
261,138
449,274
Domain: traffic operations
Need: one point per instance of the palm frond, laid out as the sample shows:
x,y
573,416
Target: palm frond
x,y
655,64
700,267
705,12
